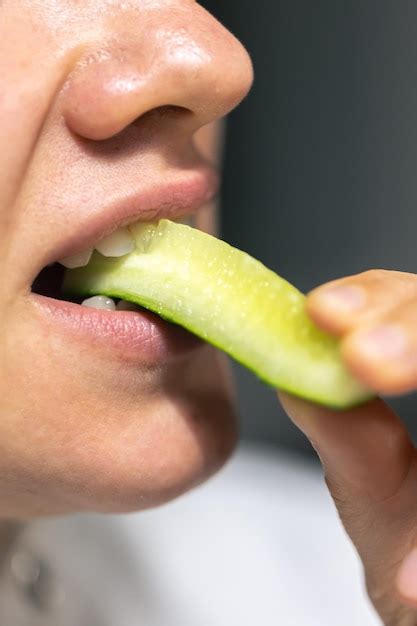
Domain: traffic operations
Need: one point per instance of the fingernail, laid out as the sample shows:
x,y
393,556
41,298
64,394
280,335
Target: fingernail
x,y
345,297
407,576
383,342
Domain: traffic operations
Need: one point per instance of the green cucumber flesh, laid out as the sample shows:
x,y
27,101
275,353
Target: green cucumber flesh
x,y
230,300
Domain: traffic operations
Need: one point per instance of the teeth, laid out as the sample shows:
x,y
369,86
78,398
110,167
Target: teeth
x,y
123,305
99,302
77,260
118,243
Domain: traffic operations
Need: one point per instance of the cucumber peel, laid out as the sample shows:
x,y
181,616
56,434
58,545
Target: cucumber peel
x,y
230,300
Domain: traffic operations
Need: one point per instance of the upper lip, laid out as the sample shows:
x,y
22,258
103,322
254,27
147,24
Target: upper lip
x,y
178,195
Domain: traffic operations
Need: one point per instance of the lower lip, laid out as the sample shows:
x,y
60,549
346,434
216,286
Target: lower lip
x,y
140,337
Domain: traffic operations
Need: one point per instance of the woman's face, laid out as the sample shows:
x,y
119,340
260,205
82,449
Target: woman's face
x,y
99,104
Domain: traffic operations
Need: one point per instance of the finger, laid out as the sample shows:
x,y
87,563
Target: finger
x,y
371,471
341,305
366,448
383,354
406,581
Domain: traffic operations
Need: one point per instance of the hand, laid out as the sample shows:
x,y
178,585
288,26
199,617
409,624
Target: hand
x,y
369,461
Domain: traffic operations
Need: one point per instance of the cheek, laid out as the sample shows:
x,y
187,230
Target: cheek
x,y
83,435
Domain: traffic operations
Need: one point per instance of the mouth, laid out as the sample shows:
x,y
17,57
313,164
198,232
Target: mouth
x,y
128,331
119,328
48,283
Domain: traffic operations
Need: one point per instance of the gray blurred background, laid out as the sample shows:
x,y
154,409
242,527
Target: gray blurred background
x,y
320,169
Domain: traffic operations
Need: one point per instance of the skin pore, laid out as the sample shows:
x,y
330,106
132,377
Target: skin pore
x,y
101,100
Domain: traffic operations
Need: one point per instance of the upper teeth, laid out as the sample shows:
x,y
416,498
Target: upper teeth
x,y
118,243
77,260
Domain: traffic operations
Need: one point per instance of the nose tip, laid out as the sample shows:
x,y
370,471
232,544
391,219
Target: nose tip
x,y
184,59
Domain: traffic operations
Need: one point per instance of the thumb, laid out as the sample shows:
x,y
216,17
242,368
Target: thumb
x,y
371,471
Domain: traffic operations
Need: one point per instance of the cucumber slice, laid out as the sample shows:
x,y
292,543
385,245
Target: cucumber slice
x,y
228,299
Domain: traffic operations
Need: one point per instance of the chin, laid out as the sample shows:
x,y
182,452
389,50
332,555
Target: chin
x,y
157,445
177,448
108,435
155,455
125,449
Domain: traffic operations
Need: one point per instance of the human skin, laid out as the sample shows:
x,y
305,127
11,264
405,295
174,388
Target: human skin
x,y
369,460
83,430
100,99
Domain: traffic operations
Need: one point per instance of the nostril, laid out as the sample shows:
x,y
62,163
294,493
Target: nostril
x,y
162,115
169,111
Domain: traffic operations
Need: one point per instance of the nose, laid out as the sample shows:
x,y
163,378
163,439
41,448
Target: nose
x,y
170,54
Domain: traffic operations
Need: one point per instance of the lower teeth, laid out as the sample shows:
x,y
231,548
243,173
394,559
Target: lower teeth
x,y
99,302
123,305
107,304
